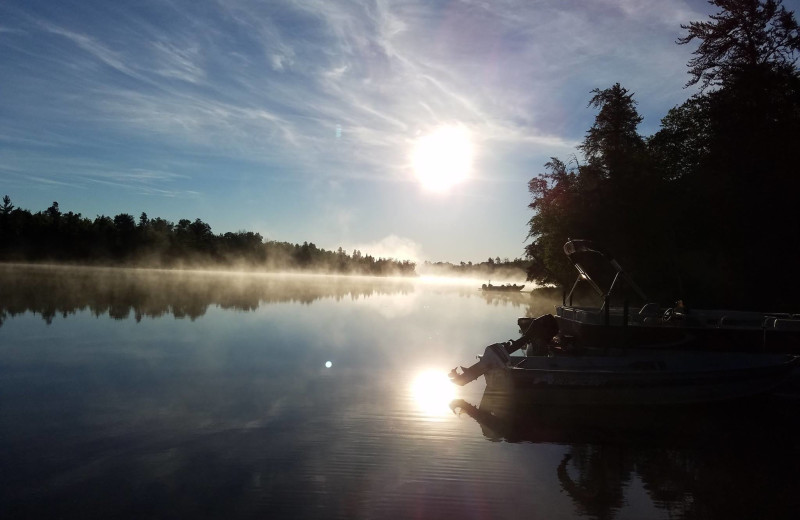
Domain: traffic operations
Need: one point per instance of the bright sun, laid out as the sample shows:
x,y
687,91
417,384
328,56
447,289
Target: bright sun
x,y
443,158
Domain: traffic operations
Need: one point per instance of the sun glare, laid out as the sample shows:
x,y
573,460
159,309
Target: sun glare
x,y
443,158
432,392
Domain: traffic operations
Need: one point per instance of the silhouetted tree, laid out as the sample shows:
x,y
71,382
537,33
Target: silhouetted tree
x,y
745,34
610,198
612,141
124,242
7,206
53,236
712,193
682,143
556,201
745,182
53,212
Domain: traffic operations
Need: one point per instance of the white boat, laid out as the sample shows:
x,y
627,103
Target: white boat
x,y
626,378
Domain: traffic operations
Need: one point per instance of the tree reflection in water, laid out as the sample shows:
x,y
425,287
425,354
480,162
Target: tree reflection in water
x,y
602,477
52,291
735,460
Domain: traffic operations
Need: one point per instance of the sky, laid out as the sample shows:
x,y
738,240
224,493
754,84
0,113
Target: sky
x,y
324,121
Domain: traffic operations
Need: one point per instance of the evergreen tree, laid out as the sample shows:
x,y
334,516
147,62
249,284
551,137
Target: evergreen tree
x,y
705,207
7,206
612,141
556,217
609,199
745,34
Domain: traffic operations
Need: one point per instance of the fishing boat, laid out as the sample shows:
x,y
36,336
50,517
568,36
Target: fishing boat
x,y
625,377
653,326
502,288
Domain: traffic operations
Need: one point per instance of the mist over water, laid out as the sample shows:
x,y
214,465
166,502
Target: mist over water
x,y
52,290
130,393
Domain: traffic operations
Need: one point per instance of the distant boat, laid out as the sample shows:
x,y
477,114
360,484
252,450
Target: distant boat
x,y
502,288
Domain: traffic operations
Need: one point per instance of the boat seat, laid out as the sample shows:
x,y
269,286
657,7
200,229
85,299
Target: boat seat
x,y
657,364
741,322
649,313
782,324
593,317
650,309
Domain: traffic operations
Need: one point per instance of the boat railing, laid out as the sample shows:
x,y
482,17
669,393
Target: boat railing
x,y
747,322
786,324
652,315
615,314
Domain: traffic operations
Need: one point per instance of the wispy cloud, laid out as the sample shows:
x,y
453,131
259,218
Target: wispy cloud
x,y
135,185
381,71
93,47
315,90
180,62
4,29
80,173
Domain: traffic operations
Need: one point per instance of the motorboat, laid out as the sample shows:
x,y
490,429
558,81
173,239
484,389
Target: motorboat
x,y
617,323
502,288
648,355
625,377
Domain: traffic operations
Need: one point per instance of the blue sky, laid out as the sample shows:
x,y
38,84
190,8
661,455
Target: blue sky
x,y
298,119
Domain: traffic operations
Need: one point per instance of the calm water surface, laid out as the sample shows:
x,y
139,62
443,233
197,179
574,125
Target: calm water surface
x,y
196,395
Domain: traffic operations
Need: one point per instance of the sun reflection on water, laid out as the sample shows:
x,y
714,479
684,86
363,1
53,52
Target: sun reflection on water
x,y
432,393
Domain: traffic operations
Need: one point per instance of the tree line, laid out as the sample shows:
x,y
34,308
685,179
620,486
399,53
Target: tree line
x,y
492,267
704,209
53,236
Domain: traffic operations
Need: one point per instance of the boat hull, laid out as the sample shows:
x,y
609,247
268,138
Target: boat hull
x,y
673,379
502,288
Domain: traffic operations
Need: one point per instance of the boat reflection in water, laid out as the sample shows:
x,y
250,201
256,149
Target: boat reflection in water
x,y
683,460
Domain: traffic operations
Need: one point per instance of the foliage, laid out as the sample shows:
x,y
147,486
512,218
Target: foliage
x,y
612,140
556,194
505,269
701,210
744,34
53,236
608,198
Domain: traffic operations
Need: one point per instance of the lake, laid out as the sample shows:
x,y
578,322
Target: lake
x,y
157,394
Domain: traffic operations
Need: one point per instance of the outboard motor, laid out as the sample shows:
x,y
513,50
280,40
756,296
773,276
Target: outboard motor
x,y
536,331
